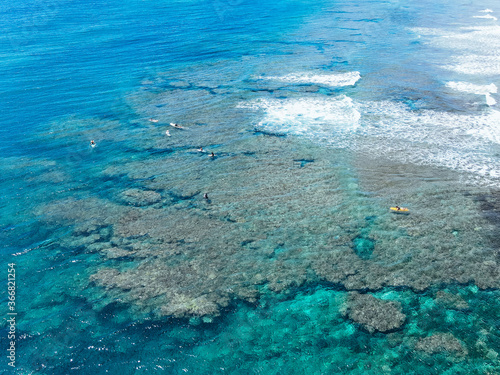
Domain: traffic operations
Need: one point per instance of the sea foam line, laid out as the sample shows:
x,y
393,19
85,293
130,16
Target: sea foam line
x,y
471,88
333,80
324,119
474,48
487,16
427,137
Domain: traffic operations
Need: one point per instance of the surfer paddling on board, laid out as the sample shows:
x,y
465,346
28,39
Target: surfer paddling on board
x,y
153,120
92,143
167,133
176,125
400,210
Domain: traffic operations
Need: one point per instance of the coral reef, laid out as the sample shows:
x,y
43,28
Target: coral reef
x,y
440,342
283,213
295,252
374,314
180,291
279,235
450,300
138,197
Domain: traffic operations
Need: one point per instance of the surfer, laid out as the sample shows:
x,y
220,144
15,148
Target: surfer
x,y
400,210
92,143
176,125
200,149
212,155
167,133
153,120
205,195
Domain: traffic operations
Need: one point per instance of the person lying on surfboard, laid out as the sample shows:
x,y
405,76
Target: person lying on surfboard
x,y
400,209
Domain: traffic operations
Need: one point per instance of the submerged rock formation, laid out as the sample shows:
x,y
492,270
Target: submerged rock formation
x,y
451,301
374,314
440,342
138,197
264,231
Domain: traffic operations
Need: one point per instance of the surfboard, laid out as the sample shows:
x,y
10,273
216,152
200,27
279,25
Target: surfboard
x,y
400,210
177,126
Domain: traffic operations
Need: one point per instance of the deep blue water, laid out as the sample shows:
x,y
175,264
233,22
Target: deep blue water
x,y
321,115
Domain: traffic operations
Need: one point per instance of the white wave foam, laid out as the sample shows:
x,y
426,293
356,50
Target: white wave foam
x,y
474,50
483,40
424,126
333,80
457,141
486,11
314,118
487,16
486,127
471,88
476,65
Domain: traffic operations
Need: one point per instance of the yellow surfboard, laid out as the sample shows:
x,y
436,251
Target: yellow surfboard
x,y
401,210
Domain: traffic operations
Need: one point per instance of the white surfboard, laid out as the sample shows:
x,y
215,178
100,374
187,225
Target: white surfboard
x,y
177,126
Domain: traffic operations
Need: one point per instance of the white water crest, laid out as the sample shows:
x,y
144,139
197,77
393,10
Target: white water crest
x,y
318,118
488,16
387,129
474,49
471,88
456,141
332,80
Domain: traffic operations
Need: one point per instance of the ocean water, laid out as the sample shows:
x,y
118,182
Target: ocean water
x,y
321,115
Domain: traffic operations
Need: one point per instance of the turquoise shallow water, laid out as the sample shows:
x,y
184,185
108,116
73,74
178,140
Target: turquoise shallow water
x,y
321,116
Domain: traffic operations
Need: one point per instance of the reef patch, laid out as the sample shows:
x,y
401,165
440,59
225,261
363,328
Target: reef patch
x,y
374,314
